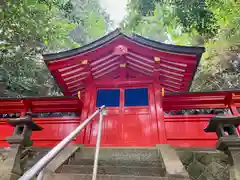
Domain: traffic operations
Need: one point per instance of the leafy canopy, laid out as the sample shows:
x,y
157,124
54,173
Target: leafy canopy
x,y
213,24
30,28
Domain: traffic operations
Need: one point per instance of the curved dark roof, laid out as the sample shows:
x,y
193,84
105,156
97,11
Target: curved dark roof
x,y
168,47
107,38
115,34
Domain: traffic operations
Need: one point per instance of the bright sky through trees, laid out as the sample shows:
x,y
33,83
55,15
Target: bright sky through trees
x,y
116,9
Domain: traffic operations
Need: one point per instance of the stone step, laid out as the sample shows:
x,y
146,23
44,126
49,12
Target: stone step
x,y
134,154
117,162
64,176
115,170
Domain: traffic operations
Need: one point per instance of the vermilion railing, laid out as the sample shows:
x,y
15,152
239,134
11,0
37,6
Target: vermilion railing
x,y
54,128
181,130
187,129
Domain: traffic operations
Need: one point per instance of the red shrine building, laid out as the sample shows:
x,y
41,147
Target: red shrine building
x,y
143,84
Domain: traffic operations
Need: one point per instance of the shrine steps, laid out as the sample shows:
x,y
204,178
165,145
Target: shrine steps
x,y
103,177
116,164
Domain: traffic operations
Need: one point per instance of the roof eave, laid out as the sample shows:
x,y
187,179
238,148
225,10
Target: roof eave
x,y
109,37
168,47
82,49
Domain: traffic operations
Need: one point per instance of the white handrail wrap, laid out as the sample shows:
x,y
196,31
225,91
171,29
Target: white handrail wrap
x,y
41,164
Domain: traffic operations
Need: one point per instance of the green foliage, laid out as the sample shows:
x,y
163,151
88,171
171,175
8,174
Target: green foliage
x,y
213,24
150,26
192,15
30,28
142,7
220,67
92,22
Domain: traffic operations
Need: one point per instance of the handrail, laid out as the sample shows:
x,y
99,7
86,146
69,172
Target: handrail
x,y
95,166
42,163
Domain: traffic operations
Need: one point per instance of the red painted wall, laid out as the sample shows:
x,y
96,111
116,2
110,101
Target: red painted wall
x,y
147,126
54,130
187,131
135,126
180,131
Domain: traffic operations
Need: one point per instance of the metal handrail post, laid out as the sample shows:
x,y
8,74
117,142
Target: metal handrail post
x,y
98,143
41,164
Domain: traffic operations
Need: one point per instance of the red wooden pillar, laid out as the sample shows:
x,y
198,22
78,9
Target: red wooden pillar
x,y
86,108
92,109
159,109
152,106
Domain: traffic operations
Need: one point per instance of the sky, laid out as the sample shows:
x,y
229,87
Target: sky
x,y
116,9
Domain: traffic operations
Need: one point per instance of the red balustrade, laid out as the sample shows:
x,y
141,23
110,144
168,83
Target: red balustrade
x,y
186,130
54,128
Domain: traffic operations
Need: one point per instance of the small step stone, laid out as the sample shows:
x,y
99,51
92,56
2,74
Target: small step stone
x,y
115,170
85,161
119,157
134,154
64,176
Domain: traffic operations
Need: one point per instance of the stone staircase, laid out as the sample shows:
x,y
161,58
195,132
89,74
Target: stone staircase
x,y
116,164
